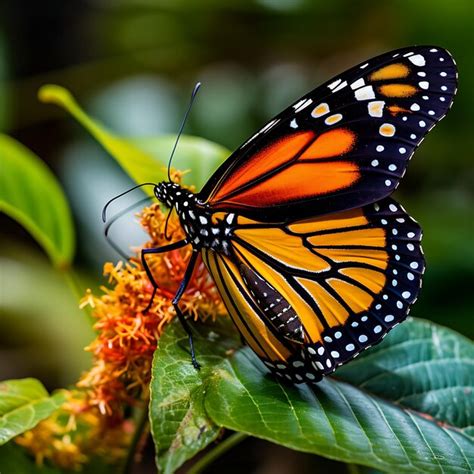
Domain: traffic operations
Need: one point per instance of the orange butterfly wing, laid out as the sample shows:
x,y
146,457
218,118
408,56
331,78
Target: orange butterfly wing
x,y
342,146
291,170
309,295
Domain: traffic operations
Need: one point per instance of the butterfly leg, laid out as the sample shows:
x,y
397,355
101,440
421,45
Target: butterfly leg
x,y
145,252
187,277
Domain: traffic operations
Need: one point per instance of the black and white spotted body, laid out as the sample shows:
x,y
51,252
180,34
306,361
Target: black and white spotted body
x,y
201,227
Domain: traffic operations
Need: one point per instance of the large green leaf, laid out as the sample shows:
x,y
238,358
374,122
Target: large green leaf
x,y
179,423
144,159
30,194
424,367
23,404
377,412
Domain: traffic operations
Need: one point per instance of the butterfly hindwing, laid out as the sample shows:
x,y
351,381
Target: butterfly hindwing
x,y
344,145
316,292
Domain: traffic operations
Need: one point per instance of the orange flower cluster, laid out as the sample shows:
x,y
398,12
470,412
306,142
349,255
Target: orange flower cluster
x,y
127,336
69,437
126,340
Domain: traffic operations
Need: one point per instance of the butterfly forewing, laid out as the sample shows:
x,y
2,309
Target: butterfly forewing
x,y
344,145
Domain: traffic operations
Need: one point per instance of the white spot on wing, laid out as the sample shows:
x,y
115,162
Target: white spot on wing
x,y
295,106
387,130
320,110
303,105
365,93
376,108
340,86
334,84
332,119
269,125
356,84
417,60
293,124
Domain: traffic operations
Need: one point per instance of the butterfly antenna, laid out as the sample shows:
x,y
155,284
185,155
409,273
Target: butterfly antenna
x,y
181,128
121,213
114,219
104,210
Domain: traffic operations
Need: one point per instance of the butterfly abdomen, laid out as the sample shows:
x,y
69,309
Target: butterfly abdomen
x,y
274,307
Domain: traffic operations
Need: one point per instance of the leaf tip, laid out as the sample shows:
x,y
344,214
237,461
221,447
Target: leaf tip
x,y
54,94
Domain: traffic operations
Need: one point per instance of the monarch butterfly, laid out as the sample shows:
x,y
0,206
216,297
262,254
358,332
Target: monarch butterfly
x,y
313,260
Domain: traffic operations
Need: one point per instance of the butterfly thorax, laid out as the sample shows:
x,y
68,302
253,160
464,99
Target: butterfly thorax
x,y
202,227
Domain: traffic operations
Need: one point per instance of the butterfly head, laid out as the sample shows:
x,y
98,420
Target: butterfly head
x,y
168,193
174,196
197,221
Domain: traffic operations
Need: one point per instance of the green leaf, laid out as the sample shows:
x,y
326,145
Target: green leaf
x,y
201,157
31,194
23,404
47,324
144,159
423,367
377,412
179,423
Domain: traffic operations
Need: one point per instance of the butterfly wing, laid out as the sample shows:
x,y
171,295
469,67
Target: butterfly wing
x,y
311,294
342,146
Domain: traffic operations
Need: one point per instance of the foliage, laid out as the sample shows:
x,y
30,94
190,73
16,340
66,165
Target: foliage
x,y
23,404
404,405
143,158
31,194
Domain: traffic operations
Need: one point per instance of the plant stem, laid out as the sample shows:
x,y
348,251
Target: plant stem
x,y
215,453
137,436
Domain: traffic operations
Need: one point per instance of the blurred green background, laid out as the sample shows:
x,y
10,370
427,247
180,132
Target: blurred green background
x,y
132,64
